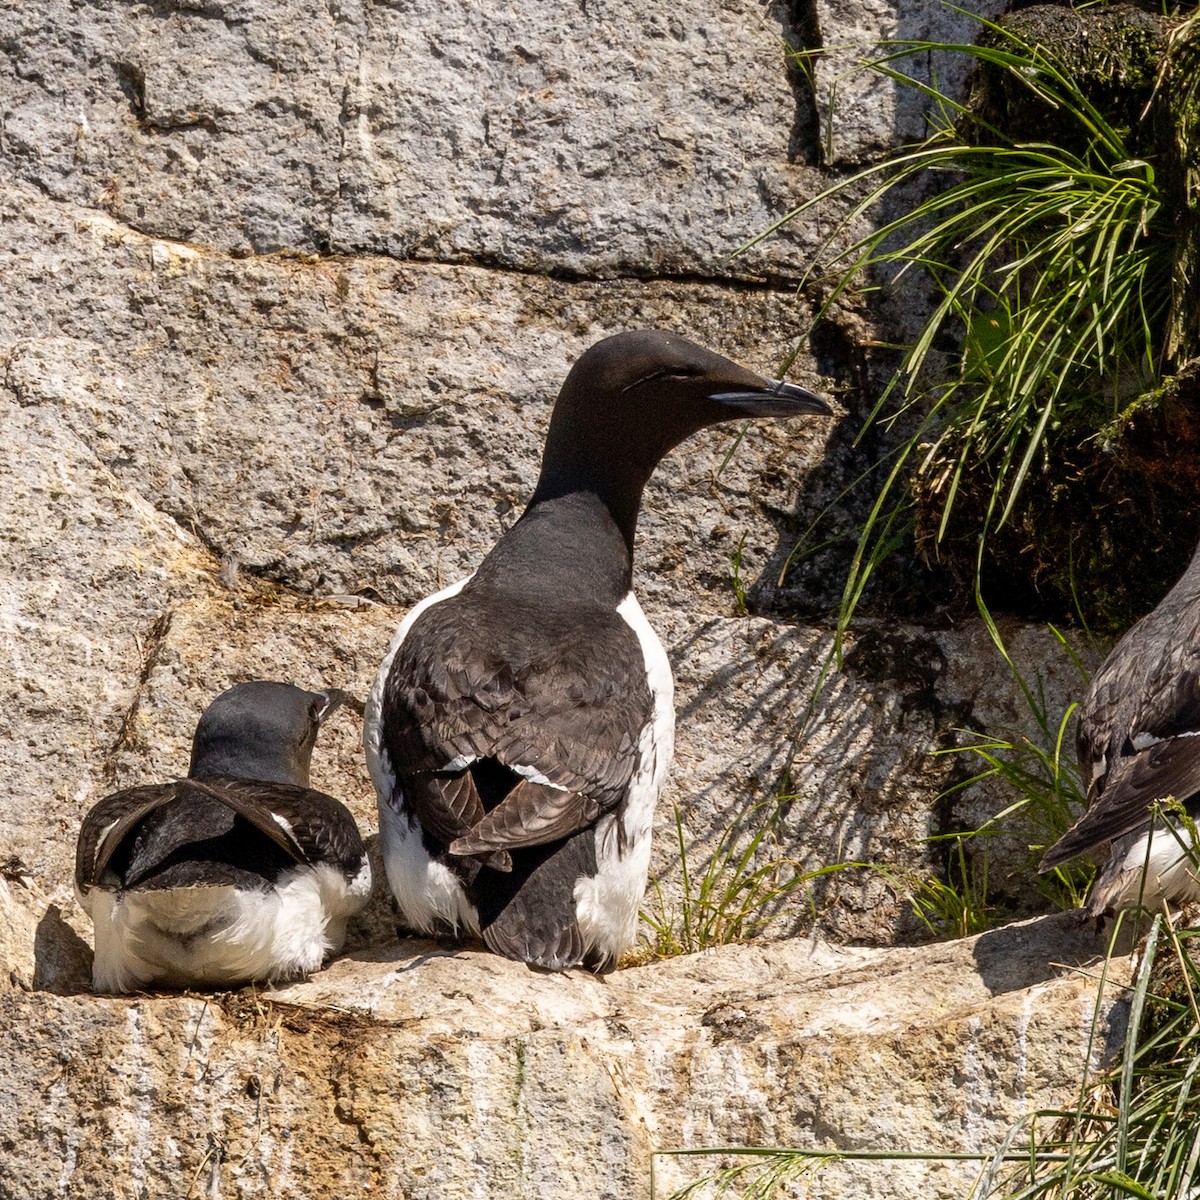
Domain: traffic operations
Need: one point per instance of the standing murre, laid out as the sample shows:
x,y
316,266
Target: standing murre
x,y
1138,741
521,725
239,872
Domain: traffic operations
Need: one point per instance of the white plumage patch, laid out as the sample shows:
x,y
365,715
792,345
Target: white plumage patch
x,y
222,935
429,894
606,905
535,776
1170,873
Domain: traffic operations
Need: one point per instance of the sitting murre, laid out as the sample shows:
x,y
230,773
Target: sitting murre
x,y
239,872
521,725
1138,741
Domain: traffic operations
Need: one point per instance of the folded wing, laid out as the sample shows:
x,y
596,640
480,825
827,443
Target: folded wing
x,y
501,742
1133,784
304,825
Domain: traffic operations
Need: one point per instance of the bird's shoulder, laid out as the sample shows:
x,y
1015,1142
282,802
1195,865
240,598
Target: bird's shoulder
x,y
110,820
558,687
494,650
316,827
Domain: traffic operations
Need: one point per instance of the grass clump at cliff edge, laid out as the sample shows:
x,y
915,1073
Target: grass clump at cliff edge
x,y
1051,264
747,883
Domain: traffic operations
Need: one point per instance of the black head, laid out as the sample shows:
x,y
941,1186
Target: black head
x,y
262,730
631,398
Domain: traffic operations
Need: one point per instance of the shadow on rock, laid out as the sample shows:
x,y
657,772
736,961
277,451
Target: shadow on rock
x,y
62,960
1026,953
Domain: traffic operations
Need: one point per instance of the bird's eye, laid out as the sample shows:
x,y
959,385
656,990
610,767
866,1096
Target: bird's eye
x,y
679,372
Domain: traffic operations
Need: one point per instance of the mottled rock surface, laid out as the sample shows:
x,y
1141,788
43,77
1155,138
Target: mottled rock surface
x,y
862,112
601,137
419,1072
359,425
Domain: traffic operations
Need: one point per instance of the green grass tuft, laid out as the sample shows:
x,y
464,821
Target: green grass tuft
x,y
739,893
1051,270
1041,774
1136,1130
958,906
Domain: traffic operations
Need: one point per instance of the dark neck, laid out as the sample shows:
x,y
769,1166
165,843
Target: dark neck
x,y
218,759
1186,591
1193,567
569,545
620,497
609,456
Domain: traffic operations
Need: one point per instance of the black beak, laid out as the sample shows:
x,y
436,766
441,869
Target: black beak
x,y
334,699
773,400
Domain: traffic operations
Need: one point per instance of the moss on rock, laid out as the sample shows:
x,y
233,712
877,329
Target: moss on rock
x,y
1103,528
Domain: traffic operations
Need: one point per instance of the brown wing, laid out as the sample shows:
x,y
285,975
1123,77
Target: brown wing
x,y
315,828
447,804
530,815
1150,682
1171,768
524,690
1148,687
109,822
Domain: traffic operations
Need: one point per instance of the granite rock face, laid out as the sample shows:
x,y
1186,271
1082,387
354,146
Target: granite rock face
x,y
346,425
419,1072
862,112
519,134
287,295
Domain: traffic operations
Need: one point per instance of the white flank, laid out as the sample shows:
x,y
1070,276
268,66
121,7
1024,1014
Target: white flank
x,y
221,935
429,894
606,905
1168,872
381,775
430,897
